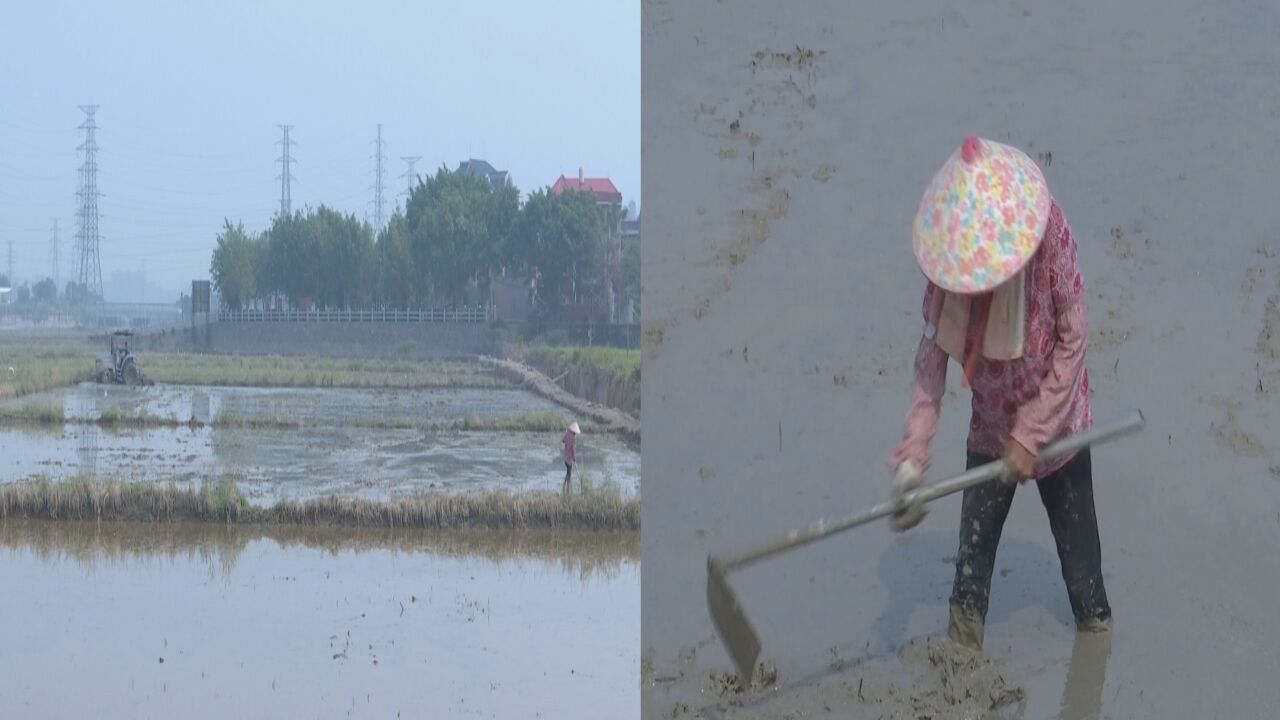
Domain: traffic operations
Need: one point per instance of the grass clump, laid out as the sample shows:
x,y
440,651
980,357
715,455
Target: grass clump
x,y
228,419
33,414
223,498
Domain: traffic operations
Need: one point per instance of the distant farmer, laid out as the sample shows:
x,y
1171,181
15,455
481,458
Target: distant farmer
x,y
570,451
1005,300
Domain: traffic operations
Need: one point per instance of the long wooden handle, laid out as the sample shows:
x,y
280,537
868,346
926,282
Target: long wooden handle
x,y
827,527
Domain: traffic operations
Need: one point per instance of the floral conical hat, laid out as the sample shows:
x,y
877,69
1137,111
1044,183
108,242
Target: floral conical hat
x,y
981,218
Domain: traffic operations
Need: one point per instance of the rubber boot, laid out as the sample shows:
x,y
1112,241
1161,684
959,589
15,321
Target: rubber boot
x,y
966,628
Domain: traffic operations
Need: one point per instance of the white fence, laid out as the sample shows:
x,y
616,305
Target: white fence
x,y
442,315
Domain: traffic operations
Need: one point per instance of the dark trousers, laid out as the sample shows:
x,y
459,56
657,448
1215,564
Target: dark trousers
x,y
568,471
1068,499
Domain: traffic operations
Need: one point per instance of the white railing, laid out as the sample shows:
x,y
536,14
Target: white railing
x,y
437,315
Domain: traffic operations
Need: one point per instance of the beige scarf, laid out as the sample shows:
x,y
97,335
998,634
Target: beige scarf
x,y
1005,324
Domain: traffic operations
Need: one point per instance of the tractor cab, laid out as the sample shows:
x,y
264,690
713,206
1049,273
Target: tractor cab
x,y
119,365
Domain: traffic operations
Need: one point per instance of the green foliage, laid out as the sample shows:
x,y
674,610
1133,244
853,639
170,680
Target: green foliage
x,y
399,284
460,231
455,233
234,265
631,272
612,361
45,291
561,237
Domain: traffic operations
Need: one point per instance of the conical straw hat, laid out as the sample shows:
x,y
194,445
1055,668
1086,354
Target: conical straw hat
x,y
981,218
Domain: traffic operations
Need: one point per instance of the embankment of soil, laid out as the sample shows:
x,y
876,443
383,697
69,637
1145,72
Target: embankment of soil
x,y
604,386
532,379
222,501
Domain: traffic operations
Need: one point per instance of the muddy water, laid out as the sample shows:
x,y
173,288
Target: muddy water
x,y
127,621
782,309
334,451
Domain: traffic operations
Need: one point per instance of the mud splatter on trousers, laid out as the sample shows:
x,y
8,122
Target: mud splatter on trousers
x,y
1067,496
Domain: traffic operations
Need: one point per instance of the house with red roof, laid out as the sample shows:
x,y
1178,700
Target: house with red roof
x,y
604,189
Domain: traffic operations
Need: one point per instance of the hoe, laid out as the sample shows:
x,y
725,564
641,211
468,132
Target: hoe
x,y
735,629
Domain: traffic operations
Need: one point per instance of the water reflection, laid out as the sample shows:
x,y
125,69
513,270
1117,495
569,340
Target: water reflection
x,y
1086,677
586,555
201,406
88,450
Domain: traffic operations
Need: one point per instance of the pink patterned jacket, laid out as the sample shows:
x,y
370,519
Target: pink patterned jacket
x,y
1037,399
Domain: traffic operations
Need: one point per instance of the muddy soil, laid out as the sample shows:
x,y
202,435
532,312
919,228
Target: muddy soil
x,y
333,452
126,621
779,339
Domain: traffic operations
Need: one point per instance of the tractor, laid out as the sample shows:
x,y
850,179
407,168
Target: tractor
x,y
120,366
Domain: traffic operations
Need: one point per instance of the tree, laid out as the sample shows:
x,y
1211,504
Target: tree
x,y
503,219
631,276
612,217
45,291
459,231
399,284
292,258
561,241
346,258
232,267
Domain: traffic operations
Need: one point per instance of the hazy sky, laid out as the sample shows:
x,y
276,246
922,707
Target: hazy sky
x,y
191,93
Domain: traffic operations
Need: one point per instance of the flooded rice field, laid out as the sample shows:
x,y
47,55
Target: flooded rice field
x,y
170,620
326,407
342,444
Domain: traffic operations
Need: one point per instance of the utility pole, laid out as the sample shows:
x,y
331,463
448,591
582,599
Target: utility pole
x,y
54,250
90,275
378,177
285,159
10,275
410,160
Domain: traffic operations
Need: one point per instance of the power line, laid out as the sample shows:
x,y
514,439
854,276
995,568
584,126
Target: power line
x,y
378,176
90,263
56,282
410,160
285,159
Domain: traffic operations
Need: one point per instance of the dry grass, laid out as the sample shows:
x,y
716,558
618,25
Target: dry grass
x,y
40,364
221,500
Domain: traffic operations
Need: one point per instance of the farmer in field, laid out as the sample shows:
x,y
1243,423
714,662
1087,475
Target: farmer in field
x,y
1005,300
570,451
